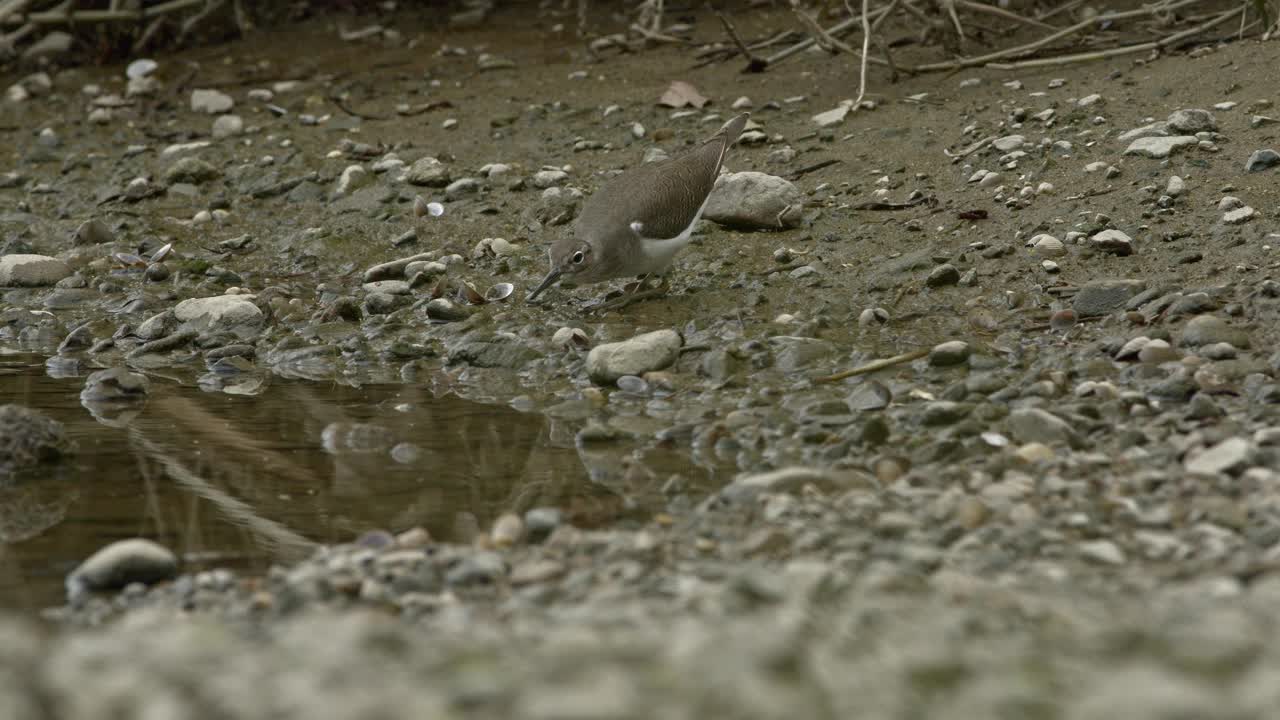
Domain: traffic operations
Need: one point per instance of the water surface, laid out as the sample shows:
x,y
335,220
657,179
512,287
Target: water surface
x,y
243,481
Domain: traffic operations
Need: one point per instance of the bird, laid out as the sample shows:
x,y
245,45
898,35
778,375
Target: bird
x,y
636,223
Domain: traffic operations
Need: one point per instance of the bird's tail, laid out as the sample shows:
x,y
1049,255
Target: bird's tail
x,y
728,135
732,129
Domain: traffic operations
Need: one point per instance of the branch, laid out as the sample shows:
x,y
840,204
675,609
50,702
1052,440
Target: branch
x,y
1048,39
1126,50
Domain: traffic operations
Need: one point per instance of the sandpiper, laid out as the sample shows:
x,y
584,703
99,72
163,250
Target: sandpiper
x,y
639,220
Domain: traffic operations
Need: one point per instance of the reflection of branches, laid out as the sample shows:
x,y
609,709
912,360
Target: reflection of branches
x,y
278,537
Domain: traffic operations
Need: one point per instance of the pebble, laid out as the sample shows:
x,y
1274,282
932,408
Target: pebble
x,y
1229,456
1157,351
1210,329
479,568
1036,425
190,170
1191,121
222,313
942,275
461,188
31,270
353,178
947,354
784,480
115,385
1009,143
540,522
1261,160
225,126
1160,147
1102,551
210,101
870,395
508,530
636,356
544,179
1219,351
1113,241
1034,452
1239,216
1133,348
121,563
429,172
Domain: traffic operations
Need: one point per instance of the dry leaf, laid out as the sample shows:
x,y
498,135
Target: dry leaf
x,y
681,94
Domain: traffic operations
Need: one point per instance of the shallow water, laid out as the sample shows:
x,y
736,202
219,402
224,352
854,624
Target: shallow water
x,y
244,481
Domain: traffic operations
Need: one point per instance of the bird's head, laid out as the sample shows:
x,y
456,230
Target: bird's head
x,y
571,258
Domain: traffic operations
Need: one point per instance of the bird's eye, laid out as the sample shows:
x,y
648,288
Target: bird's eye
x,y
578,257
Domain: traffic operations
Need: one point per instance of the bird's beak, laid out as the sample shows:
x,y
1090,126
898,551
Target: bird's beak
x,y
547,282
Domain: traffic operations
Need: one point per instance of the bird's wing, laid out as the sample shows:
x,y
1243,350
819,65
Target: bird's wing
x,y
663,197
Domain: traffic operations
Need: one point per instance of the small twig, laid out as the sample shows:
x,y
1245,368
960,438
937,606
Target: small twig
x,y
189,25
149,34
884,205
1126,50
866,51
950,7
341,104
242,20
813,168
754,64
659,37
782,268
1001,12
828,42
969,150
424,107
10,41
1030,47
811,26
873,366
1051,12
355,35
833,31
171,6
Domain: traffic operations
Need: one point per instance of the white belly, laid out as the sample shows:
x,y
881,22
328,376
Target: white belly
x,y
658,254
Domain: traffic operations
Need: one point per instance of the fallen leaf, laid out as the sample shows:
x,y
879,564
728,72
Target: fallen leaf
x,y
681,94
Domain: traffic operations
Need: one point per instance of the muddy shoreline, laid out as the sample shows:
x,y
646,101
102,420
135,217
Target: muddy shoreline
x,y
1064,506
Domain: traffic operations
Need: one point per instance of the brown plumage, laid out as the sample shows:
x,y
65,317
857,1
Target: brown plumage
x,y
639,220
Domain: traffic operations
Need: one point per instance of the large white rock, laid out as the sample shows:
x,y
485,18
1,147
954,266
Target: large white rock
x,y
1159,147
755,200
222,312
31,270
641,354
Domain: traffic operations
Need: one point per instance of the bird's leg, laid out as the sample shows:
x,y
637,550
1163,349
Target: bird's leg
x,y
640,292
